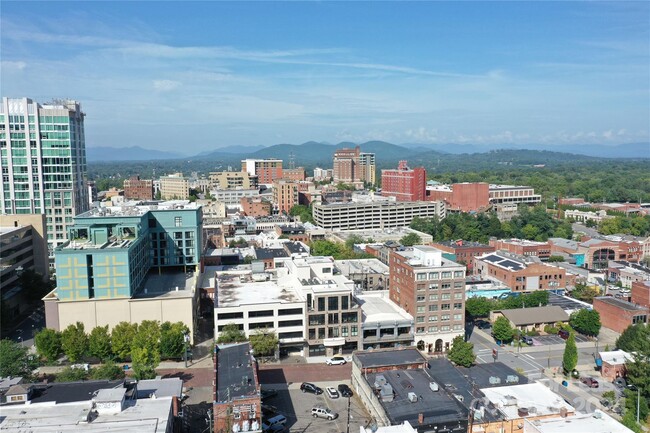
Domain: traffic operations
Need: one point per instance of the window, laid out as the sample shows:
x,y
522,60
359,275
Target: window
x,y
458,274
420,298
420,309
349,317
317,319
458,305
332,303
285,323
321,304
433,308
446,286
344,331
433,297
226,316
263,313
444,328
260,325
444,318
178,221
458,285
332,332
354,330
433,318
446,275
345,302
419,319
433,286
321,333
333,318
433,329
421,277
458,317
312,333
446,296
445,307
419,330
433,275
458,327
458,295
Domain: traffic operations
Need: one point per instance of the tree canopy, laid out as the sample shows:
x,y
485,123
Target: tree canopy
x,y
231,333
570,357
461,352
264,342
74,342
15,360
410,239
502,330
48,344
585,322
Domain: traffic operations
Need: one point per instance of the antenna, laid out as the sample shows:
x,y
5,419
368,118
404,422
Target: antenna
x,y
292,162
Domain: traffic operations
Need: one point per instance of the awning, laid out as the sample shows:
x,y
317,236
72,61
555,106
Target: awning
x,y
332,342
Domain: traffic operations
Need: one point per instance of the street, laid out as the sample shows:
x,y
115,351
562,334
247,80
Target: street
x,y
24,332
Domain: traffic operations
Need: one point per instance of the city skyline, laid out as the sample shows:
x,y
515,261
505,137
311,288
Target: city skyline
x,y
199,76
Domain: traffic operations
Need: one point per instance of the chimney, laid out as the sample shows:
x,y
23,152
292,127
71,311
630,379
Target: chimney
x,y
421,418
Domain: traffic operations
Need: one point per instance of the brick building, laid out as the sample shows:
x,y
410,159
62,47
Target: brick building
x,y
617,314
597,253
297,174
432,289
613,364
237,404
255,206
523,247
353,166
266,170
463,197
520,275
641,293
463,252
405,184
285,195
138,189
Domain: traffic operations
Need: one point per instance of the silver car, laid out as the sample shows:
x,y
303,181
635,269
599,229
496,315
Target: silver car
x,y
321,412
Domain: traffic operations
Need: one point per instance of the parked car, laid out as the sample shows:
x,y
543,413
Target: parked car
x,y
527,339
483,324
332,392
310,387
345,390
268,393
336,360
619,382
277,428
590,382
278,419
321,412
269,411
564,334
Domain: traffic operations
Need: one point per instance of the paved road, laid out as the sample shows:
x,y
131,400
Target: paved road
x,y
24,332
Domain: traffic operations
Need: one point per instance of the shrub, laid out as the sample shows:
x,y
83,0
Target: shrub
x,y
108,371
70,374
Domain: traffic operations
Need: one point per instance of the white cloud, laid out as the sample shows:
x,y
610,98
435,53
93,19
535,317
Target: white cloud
x,y
165,85
8,64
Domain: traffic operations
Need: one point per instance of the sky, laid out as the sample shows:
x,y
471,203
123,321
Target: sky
x,y
189,77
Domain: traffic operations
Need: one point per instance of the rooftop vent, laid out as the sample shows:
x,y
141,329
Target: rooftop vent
x,y
413,397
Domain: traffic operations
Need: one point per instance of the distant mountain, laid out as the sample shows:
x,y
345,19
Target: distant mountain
x,y
237,150
133,153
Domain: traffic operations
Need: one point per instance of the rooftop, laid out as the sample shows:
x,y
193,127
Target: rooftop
x,y
68,392
167,284
270,253
534,397
4,230
502,261
137,208
619,303
296,247
381,358
567,304
460,244
564,243
479,375
376,307
382,235
360,266
235,372
597,422
234,290
533,315
168,387
615,357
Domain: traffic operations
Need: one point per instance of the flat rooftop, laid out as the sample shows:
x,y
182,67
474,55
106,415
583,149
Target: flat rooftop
x,y
597,422
381,235
436,407
619,303
503,262
535,397
360,266
167,284
137,208
445,263
68,392
523,242
380,358
566,303
9,229
376,307
142,416
235,372
234,290
462,244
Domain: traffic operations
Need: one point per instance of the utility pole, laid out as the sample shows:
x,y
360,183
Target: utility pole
x,y
350,398
186,339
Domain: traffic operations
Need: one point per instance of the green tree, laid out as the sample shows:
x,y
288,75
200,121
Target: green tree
x,y
353,240
74,342
48,344
264,342
148,336
570,357
231,333
478,307
638,372
584,293
629,421
172,343
107,371
586,322
635,338
144,363
70,374
410,239
631,398
461,352
15,360
553,259
502,330
99,343
122,337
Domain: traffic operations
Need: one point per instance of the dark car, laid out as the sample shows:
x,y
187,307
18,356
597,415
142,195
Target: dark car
x,y
483,324
345,390
310,387
563,334
590,382
268,393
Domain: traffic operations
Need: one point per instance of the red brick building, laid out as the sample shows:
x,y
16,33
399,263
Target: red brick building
x,y
285,195
617,314
404,184
297,174
523,247
463,197
237,404
255,206
463,252
266,170
641,293
138,189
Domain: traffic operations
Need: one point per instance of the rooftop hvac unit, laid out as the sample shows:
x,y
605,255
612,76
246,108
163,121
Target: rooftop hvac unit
x,y
510,400
512,378
386,392
413,397
380,380
495,380
434,386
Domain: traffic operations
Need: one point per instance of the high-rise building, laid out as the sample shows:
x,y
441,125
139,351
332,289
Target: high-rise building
x,y
432,289
354,166
285,195
43,153
266,170
405,184
232,180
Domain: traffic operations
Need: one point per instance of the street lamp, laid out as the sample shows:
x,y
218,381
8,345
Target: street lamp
x,y
638,400
186,339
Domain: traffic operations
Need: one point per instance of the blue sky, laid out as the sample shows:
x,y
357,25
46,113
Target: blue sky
x,y
195,76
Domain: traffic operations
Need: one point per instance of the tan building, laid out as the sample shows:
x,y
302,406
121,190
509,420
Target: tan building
x,y
285,195
520,275
232,180
174,187
255,206
353,166
138,189
532,318
297,174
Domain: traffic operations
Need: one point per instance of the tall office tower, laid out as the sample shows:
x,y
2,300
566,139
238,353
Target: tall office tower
x,y
405,184
367,168
266,170
43,154
354,166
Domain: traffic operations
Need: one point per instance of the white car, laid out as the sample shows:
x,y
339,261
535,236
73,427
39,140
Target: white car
x,y
332,392
336,360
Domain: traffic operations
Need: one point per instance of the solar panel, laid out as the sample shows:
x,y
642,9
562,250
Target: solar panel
x,y
493,259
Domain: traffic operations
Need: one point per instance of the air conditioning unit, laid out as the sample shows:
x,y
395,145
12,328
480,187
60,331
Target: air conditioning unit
x,y
413,397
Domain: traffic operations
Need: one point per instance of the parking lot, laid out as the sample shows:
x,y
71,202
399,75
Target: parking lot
x,y
296,406
545,340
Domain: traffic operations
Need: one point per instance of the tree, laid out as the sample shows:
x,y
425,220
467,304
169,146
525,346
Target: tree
x,y
461,352
144,363
570,357
584,293
502,330
629,421
352,241
99,343
122,337
48,344
264,342
478,307
552,259
231,333
411,239
586,322
631,404
172,340
638,372
635,338
15,360
70,374
74,342
107,371
147,336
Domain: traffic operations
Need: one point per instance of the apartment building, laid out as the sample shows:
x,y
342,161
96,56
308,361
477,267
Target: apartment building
x,y
584,216
513,194
232,180
138,189
266,170
255,206
285,195
353,166
432,290
174,187
374,214
321,174
404,183
233,197
463,252
297,174
523,247
43,152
